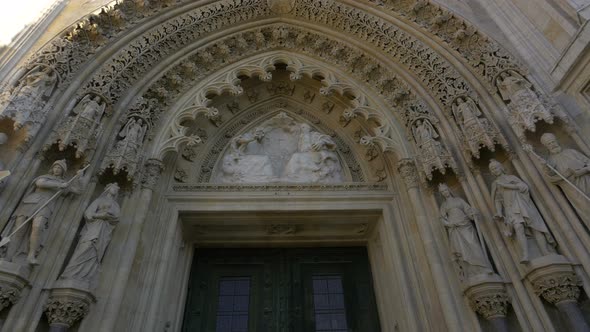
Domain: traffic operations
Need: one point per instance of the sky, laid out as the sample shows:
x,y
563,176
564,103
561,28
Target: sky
x,y
15,14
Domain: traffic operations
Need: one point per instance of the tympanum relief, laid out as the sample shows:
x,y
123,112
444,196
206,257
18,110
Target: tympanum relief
x,y
281,150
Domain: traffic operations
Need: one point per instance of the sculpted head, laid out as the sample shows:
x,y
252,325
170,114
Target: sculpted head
x,y
305,128
259,133
112,189
59,168
496,168
444,190
550,142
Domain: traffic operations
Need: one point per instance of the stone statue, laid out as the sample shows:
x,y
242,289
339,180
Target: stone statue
x,y
466,246
29,240
127,149
575,167
101,217
514,205
524,102
81,129
424,132
26,100
239,166
466,113
477,131
240,143
315,159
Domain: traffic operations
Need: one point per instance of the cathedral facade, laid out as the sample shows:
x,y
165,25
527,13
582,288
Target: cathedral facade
x,y
297,165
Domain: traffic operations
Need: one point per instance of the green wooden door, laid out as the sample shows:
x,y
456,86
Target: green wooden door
x,y
281,290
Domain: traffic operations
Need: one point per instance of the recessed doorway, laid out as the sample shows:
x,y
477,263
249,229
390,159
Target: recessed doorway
x,y
280,289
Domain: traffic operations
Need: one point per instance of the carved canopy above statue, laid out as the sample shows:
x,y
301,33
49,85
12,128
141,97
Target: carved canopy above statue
x,y
280,149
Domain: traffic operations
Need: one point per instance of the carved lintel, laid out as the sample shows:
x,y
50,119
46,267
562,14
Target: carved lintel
x,y
487,296
554,279
13,278
68,303
409,173
152,171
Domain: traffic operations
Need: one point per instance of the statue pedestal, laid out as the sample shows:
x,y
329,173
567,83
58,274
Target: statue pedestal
x,y
553,278
487,296
69,301
13,278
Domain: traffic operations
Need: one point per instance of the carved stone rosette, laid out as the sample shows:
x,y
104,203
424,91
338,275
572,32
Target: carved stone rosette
x,y
13,278
407,169
554,279
69,302
487,296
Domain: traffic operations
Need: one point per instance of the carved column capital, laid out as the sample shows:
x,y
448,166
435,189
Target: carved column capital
x,y
67,305
151,174
554,279
8,296
491,305
61,311
560,287
488,297
407,169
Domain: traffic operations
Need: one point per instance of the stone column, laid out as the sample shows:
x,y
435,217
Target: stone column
x,y
69,302
152,171
488,297
409,174
554,279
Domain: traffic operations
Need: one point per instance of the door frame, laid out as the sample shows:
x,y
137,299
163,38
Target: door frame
x,y
296,219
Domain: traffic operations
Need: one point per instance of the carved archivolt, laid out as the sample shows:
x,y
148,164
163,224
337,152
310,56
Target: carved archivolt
x,y
262,68
144,52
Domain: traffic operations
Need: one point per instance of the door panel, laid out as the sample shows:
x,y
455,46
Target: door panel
x,y
281,290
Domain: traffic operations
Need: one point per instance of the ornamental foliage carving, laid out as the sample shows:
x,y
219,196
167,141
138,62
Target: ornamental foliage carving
x,y
558,287
407,170
491,305
65,310
8,296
